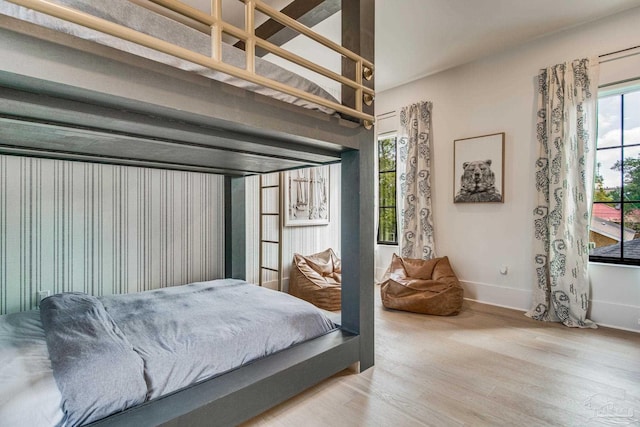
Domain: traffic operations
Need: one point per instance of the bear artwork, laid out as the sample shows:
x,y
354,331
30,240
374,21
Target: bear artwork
x,y
477,183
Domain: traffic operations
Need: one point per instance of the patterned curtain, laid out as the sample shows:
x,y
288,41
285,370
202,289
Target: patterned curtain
x,y
415,181
566,130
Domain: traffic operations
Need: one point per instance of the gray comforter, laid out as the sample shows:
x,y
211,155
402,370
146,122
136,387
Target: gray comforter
x,y
114,352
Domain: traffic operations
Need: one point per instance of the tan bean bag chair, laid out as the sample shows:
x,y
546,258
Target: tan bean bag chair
x,y
422,286
317,278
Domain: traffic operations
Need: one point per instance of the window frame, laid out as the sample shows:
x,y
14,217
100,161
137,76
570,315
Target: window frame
x,y
380,208
621,92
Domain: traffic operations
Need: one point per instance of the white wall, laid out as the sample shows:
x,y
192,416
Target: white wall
x,y
386,125
304,240
330,28
497,94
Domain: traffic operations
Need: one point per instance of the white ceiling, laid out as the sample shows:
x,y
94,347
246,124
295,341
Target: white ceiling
x,y
416,38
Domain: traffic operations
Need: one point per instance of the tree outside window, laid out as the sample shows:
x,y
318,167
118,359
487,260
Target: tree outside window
x,y
387,221
615,222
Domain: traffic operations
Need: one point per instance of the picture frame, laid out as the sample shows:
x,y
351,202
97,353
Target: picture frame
x,y
478,169
306,197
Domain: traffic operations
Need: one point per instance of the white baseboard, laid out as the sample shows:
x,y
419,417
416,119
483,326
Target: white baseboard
x,y
615,315
502,296
608,314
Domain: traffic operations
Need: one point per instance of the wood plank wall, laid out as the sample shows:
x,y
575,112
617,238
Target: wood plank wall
x,y
305,240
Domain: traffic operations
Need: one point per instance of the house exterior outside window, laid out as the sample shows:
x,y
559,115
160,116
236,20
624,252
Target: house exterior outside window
x,y
615,218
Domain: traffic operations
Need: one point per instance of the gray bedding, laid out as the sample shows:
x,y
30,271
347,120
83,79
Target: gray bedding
x,y
136,17
122,350
95,366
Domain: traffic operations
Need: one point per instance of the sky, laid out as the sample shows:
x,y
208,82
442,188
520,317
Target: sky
x,y
609,132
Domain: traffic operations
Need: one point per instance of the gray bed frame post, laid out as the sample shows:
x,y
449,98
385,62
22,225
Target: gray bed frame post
x,y
234,228
357,179
357,250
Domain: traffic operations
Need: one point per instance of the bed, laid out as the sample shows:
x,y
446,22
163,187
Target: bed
x,y
64,97
131,15
174,337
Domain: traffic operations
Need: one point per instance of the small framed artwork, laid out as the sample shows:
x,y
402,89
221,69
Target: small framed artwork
x,y
478,169
306,195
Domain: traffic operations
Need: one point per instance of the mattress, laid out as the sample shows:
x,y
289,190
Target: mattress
x,y
244,323
29,395
143,20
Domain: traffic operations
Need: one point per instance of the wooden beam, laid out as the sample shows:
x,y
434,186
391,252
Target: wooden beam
x,y
296,9
307,12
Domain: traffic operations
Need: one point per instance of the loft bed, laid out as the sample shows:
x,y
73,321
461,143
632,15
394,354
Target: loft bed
x,y
65,97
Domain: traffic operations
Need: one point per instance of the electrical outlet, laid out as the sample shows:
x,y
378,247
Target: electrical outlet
x,y
42,295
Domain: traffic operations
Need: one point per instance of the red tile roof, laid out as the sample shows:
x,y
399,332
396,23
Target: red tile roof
x,y
605,212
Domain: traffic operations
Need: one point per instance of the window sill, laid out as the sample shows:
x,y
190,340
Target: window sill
x,y
615,264
387,244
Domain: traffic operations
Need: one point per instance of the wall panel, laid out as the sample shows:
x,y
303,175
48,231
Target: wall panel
x,y
103,229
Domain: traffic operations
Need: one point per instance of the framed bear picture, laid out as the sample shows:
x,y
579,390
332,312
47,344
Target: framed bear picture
x,y
478,169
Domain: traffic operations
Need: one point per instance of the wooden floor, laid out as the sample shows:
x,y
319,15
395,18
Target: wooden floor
x,y
488,366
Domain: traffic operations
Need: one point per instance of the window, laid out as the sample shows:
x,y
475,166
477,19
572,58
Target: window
x,y
387,222
615,222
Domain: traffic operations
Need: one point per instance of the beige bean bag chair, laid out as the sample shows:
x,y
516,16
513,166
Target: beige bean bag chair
x,y
422,286
317,278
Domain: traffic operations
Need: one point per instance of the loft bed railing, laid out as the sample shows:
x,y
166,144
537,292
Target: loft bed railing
x,y
216,26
